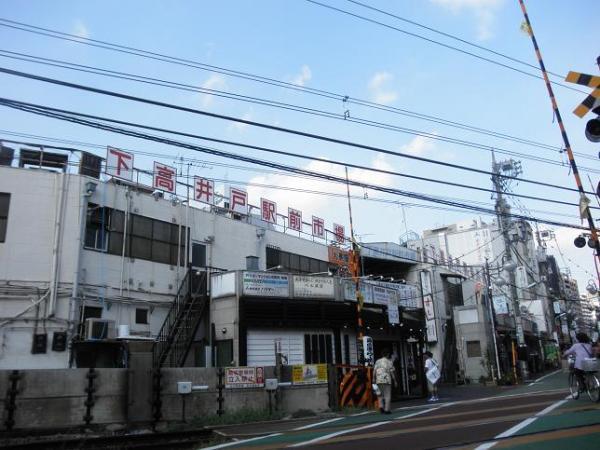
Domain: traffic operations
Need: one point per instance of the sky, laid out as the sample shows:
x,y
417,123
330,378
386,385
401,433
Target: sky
x,y
311,46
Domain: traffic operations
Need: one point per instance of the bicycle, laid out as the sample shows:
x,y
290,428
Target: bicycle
x,y
591,384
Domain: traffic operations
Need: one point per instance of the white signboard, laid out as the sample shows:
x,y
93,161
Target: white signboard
x,y
409,297
556,306
265,284
428,306
500,304
222,285
393,313
350,292
426,283
381,295
119,163
431,331
317,287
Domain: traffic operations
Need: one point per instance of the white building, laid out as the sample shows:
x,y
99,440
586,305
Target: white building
x,y
83,259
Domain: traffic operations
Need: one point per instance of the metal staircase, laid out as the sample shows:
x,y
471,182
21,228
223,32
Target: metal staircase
x,y
179,328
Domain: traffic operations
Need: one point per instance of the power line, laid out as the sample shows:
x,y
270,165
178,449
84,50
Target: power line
x,y
264,126
285,106
456,38
8,102
433,41
246,168
261,79
202,149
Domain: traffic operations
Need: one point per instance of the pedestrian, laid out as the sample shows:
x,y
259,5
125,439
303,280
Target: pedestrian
x,y
432,372
385,376
580,350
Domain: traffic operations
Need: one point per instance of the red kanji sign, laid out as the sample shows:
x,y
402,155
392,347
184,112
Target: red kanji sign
x,y
238,201
164,178
295,219
268,210
119,163
340,235
318,227
204,190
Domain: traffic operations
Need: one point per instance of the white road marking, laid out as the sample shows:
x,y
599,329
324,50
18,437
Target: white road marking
x,y
229,444
362,413
418,413
306,427
545,376
523,424
338,433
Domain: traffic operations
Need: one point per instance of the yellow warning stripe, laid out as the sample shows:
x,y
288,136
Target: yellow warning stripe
x,y
583,79
590,101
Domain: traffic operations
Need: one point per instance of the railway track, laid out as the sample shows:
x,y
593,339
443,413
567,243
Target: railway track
x,y
167,440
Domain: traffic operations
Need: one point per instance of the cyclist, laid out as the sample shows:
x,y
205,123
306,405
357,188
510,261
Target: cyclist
x,y
580,350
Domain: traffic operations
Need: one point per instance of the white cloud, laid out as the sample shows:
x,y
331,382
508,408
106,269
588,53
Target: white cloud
x,y
419,146
215,81
303,77
483,10
379,87
80,30
333,209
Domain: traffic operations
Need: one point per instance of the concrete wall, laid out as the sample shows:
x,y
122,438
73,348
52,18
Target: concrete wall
x,y
118,285
56,398
470,326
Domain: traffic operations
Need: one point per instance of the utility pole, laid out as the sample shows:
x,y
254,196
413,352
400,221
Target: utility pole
x,y
490,305
505,223
354,266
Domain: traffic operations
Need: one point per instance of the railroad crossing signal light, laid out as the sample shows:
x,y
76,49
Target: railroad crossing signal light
x,y
579,242
592,130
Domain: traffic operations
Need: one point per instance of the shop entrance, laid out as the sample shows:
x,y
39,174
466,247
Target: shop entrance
x,y
407,361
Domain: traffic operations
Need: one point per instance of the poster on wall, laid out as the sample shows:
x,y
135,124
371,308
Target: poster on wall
x,y
264,284
244,377
381,295
392,309
500,304
309,374
315,287
428,307
431,331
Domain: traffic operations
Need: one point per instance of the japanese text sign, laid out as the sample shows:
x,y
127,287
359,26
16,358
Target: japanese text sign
x,y
268,210
164,177
204,190
238,201
318,227
295,219
119,163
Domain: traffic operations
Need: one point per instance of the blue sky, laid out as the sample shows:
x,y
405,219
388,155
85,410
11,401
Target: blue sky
x,y
302,43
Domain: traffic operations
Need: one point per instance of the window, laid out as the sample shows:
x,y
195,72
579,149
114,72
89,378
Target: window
x,y
4,203
473,349
146,238
141,316
198,255
295,263
318,349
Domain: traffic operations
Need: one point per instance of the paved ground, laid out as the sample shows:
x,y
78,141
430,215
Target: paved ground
x,y
532,416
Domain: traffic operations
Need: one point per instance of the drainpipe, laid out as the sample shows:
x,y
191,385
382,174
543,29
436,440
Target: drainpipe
x,y
90,188
127,196
58,223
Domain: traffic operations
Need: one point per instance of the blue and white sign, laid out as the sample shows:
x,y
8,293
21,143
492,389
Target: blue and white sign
x,y
265,284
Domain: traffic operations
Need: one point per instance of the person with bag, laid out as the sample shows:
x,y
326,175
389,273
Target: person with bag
x,y
581,350
385,375
432,372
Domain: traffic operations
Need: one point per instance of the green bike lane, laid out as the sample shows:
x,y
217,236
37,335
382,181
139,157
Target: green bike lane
x,y
542,393
566,424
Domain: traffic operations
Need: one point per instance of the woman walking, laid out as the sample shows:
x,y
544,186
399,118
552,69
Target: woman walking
x,y
385,375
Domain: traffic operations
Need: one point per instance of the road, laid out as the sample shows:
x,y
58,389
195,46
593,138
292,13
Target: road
x,y
538,415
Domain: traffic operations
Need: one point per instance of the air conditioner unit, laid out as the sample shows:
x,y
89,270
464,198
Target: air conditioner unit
x,y
96,329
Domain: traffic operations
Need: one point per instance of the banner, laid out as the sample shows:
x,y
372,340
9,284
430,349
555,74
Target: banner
x,y
265,284
392,309
309,374
244,377
315,287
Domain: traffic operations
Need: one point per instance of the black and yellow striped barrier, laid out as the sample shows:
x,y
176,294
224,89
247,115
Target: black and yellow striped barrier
x,y
591,101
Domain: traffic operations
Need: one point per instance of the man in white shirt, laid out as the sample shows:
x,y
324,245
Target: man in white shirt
x,y
432,372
